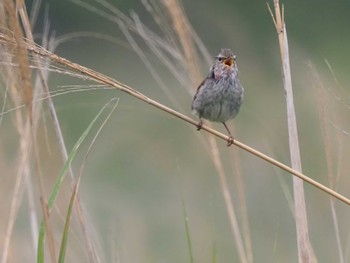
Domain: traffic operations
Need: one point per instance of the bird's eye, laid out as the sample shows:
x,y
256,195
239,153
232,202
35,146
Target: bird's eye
x,y
220,58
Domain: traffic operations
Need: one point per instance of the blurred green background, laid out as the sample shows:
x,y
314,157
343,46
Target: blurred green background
x,y
146,164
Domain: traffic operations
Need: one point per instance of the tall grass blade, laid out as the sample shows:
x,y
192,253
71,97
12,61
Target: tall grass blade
x,y
188,235
57,186
215,260
67,225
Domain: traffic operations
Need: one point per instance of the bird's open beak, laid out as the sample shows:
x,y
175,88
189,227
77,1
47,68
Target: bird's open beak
x,y
228,62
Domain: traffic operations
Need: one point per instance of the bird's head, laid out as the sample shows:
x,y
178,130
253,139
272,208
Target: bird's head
x,y
225,64
226,58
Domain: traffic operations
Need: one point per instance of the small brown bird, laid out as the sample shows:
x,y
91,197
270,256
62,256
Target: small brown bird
x,y
219,96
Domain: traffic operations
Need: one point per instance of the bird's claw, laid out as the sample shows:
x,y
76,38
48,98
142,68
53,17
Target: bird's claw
x,y
199,125
230,141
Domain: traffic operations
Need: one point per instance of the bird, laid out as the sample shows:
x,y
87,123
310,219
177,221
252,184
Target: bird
x,y
219,96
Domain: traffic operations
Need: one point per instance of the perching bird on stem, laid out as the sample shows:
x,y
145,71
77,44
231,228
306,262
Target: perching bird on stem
x,y
219,96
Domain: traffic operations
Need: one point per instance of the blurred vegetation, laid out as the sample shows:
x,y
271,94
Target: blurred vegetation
x,y
146,163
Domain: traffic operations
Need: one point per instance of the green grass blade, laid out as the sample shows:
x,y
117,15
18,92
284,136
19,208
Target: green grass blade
x,y
41,239
188,235
214,253
54,193
67,225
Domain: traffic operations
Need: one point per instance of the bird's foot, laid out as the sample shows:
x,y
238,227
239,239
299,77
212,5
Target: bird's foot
x,y
199,125
230,141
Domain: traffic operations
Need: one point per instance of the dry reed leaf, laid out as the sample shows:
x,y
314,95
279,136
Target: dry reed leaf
x,y
21,55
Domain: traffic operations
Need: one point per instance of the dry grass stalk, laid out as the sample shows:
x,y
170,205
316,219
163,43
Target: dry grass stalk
x,y
27,131
104,79
183,30
324,111
184,33
34,117
243,205
100,78
229,205
21,56
305,253
18,81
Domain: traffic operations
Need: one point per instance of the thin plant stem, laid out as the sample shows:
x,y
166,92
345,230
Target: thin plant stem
x,y
102,79
183,30
228,201
305,253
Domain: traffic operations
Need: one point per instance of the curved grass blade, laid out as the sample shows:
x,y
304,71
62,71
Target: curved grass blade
x,y
67,225
75,193
54,193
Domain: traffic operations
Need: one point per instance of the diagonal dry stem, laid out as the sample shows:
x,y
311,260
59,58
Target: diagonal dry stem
x,y
100,78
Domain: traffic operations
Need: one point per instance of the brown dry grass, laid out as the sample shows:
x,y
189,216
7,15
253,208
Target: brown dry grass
x,y
24,51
